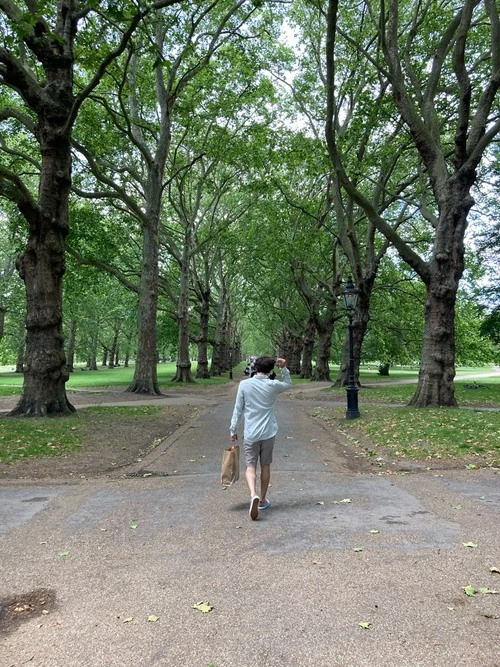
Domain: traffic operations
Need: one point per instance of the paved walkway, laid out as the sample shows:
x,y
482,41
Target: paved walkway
x,y
336,549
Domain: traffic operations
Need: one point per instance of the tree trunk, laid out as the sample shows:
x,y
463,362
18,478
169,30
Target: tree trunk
x,y
323,356
308,350
220,336
113,349
41,267
92,362
202,368
183,373
437,367
145,379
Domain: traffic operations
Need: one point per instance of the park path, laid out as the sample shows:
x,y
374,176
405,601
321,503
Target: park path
x,y
337,548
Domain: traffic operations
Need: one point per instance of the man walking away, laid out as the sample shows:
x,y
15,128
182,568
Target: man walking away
x,y
255,400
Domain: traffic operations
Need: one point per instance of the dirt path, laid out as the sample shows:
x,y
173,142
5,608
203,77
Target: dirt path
x,y
119,560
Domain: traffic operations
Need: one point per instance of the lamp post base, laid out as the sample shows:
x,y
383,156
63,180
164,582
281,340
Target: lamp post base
x,y
352,411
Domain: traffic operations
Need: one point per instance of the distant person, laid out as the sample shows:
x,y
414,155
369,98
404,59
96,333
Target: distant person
x,y
255,400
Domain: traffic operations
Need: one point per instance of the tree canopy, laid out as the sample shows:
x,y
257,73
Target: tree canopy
x,y
196,179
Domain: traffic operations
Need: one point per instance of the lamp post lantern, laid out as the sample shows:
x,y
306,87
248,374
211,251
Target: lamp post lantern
x,y
350,295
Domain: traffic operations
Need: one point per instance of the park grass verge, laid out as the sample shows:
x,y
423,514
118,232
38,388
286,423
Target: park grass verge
x,y
57,436
482,392
11,383
421,433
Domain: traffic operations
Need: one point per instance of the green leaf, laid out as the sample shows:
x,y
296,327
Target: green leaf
x,y
471,466
469,590
487,590
374,531
129,619
64,553
472,545
204,607
134,524
364,624
152,618
357,549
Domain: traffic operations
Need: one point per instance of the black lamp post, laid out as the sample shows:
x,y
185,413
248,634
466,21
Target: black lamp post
x,y
231,363
350,295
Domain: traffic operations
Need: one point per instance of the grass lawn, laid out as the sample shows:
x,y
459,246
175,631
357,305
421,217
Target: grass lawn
x,y
11,383
469,393
21,438
422,433
419,433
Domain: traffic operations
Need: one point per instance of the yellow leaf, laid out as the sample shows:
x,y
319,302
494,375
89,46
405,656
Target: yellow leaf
x,y
204,607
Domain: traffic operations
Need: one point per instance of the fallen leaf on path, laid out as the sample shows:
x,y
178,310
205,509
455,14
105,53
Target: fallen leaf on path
x,y
357,549
321,502
469,590
64,553
129,619
364,624
487,590
374,531
134,524
495,569
152,618
471,545
204,607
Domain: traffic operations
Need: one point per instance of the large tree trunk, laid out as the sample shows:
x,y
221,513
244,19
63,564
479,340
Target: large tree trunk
x,y
113,350
308,350
202,368
220,336
42,264
437,366
41,267
145,379
323,356
183,372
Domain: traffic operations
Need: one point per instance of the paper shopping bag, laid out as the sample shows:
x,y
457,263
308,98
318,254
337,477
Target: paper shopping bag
x,y
230,469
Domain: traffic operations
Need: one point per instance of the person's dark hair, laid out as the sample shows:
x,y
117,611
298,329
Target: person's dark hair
x,y
264,364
